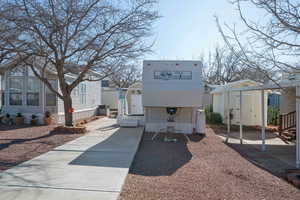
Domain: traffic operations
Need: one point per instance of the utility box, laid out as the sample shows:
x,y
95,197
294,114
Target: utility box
x,y
200,121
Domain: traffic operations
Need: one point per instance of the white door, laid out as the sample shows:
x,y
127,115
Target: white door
x,y
136,104
236,110
246,110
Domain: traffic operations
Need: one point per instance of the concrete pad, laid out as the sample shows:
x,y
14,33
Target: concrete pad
x,y
28,193
122,140
278,155
97,162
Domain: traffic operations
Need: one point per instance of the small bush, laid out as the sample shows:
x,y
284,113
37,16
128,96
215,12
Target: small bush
x,y
273,115
212,117
208,111
215,118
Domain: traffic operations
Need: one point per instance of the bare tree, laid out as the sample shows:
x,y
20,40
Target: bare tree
x,y
224,66
79,35
267,44
8,37
126,76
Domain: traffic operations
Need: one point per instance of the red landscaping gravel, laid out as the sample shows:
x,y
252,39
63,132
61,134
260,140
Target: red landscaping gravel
x,y
203,168
21,143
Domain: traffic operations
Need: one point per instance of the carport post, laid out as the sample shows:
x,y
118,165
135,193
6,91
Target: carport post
x,y
228,116
298,127
241,118
263,126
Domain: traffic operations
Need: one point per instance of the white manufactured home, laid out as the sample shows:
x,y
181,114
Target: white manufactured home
x,y
172,88
24,93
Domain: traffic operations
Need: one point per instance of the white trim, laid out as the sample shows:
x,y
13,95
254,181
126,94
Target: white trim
x,y
76,111
228,116
263,126
241,118
298,128
280,85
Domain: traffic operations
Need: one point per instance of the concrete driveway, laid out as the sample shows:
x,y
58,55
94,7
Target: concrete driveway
x,y
91,167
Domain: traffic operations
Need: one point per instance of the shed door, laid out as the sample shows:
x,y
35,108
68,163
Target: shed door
x,y
246,109
136,104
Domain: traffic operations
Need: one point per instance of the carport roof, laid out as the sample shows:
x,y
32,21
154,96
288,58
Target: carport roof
x,y
269,86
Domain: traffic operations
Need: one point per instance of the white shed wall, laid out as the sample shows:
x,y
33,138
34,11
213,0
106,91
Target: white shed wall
x,y
251,107
288,100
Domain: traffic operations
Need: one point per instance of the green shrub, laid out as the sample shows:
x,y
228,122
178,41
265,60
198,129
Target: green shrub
x,y
215,118
208,110
212,117
273,115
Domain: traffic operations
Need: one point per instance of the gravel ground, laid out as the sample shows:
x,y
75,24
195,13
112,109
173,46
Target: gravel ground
x,y
21,143
202,168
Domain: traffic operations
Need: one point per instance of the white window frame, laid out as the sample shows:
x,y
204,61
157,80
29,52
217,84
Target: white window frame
x,y
10,92
31,92
82,93
172,75
49,92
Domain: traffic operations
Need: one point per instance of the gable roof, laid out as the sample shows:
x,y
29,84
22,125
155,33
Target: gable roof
x,y
71,68
236,84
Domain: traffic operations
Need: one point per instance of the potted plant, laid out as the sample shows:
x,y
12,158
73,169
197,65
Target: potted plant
x,y
7,119
19,119
34,120
48,118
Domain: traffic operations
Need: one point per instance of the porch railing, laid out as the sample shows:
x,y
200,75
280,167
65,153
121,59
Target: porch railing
x,y
287,121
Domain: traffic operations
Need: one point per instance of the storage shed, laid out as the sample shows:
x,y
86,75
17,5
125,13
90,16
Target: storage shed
x,y
172,86
134,99
251,106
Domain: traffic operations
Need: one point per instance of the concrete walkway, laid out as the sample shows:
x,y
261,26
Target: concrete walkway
x,y
91,167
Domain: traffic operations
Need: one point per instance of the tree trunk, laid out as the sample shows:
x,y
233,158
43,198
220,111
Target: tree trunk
x,y
68,110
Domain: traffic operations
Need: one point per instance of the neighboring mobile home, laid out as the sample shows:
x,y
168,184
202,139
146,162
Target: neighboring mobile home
x,y
24,93
134,99
251,114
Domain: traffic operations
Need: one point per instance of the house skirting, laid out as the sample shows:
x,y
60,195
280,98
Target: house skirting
x,y
78,114
186,128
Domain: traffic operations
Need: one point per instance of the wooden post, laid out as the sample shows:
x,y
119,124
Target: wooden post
x,y
263,128
280,125
241,117
228,116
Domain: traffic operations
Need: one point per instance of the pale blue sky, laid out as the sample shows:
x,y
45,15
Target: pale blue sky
x,y
188,27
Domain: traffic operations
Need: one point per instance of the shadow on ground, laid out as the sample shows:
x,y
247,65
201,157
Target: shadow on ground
x,y
107,128
159,158
276,159
13,141
5,127
117,150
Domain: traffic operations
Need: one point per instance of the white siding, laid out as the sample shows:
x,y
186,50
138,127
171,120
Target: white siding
x,y
288,100
83,109
173,92
251,107
110,97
